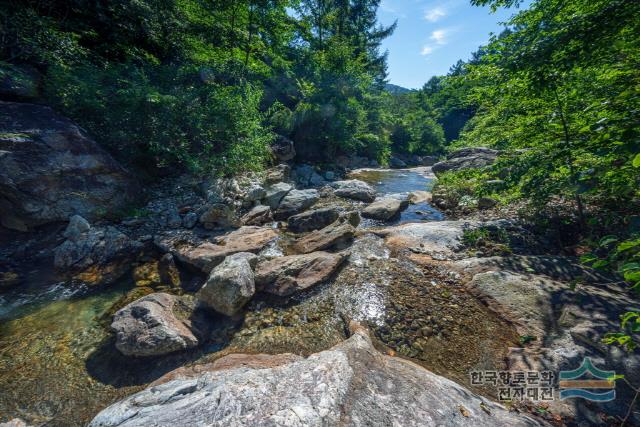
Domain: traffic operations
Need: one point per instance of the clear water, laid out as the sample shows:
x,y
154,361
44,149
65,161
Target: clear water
x,y
402,181
59,366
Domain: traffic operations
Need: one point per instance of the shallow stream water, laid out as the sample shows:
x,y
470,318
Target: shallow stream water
x,y
59,367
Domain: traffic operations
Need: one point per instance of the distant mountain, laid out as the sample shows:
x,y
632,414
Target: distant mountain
x,y
395,89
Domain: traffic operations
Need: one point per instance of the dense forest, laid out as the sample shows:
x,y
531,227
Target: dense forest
x,y
208,85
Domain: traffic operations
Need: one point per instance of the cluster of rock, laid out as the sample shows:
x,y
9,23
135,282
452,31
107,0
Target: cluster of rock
x,y
248,260
242,262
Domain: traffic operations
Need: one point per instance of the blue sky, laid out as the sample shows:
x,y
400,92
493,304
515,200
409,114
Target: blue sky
x,y
433,34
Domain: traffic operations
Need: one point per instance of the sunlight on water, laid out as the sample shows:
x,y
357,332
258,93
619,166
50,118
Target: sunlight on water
x,y
401,182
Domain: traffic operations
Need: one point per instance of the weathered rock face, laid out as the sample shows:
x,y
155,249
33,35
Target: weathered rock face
x,y
50,170
568,322
94,255
254,193
259,215
218,215
230,285
286,275
207,255
312,220
354,189
351,384
276,193
156,324
295,202
332,235
466,158
384,209
283,149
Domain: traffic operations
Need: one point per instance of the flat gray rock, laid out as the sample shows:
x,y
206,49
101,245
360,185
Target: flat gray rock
x,y
295,202
384,209
354,189
438,239
312,220
289,274
275,193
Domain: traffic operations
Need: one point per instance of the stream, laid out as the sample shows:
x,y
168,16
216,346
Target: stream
x,y
59,367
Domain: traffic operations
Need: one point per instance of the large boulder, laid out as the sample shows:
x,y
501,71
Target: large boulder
x,y
275,194
230,285
312,220
466,158
216,215
385,208
206,256
95,255
259,215
50,170
354,189
157,324
335,234
295,202
254,193
351,384
286,275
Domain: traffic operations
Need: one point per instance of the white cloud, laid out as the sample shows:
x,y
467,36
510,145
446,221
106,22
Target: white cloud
x,y
440,36
433,15
426,50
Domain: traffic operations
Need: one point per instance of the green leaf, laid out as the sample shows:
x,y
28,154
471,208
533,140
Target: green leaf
x,y
636,161
632,276
601,263
626,317
630,266
607,240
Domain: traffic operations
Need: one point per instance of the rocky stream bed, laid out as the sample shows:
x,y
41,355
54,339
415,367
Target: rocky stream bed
x,y
291,298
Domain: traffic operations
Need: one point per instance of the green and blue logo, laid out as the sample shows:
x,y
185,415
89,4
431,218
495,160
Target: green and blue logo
x,y
572,386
